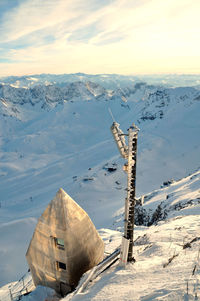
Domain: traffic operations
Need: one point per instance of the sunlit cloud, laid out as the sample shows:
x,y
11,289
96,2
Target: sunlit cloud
x,y
116,36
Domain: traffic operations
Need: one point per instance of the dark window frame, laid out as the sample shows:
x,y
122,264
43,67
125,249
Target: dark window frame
x,y
61,266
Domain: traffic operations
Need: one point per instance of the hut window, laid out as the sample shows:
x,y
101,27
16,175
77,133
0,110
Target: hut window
x,y
60,243
61,265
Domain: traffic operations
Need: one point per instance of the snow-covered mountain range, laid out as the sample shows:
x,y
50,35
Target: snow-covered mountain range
x,y
109,81
56,134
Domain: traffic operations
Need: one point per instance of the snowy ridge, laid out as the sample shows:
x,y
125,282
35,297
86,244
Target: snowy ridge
x,y
179,198
88,90
109,81
174,198
51,93
152,101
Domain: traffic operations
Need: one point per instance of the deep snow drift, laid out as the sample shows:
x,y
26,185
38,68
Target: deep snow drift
x,y
58,136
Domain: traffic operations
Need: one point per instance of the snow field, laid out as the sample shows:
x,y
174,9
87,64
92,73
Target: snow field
x,y
153,276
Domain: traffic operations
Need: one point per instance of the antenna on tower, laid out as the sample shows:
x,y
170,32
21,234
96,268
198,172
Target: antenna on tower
x,y
111,114
134,126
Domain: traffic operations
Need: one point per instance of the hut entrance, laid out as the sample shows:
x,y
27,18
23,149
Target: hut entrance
x,y
64,289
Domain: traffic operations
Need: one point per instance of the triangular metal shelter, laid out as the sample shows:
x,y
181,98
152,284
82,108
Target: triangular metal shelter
x,y
65,244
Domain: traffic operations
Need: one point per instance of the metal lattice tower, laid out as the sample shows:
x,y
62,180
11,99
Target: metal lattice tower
x,y
131,185
129,153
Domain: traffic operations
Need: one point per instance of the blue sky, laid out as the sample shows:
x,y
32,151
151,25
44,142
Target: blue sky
x,y
99,36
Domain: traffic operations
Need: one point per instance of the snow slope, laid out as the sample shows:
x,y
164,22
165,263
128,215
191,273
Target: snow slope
x,y
58,136
167,253
163,269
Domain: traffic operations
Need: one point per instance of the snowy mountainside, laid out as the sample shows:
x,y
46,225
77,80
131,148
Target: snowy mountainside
x,y
164,269
154,98
51,93
178,199
174,198
167,253
59,136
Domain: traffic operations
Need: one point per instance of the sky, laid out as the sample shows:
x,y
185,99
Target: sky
x,y
99,36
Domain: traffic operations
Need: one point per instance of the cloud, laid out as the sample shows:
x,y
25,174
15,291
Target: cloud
x,y
61,17
120,36
85,33
37,15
